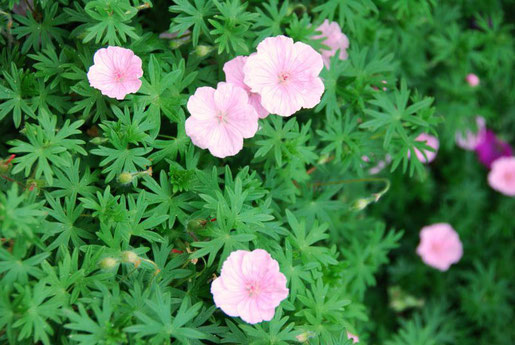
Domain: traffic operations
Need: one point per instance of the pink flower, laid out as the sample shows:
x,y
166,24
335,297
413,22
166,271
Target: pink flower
x,y
502,176
334,39
354,338
430,141
440,246
116,72
250,286
285,75
220,119
472,79
234,74
472,139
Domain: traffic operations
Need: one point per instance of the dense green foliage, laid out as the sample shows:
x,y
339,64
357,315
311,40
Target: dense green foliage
x,y
95,178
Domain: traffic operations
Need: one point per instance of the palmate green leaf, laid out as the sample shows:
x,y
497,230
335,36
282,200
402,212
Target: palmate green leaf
x,y
191,14
158,326
163,91
50,66
297,274
14,96
121,158
19,214
65,228
72,181
165,200
232,26
135,225
38,309
302,239
273,332
17,269
48,146
270,21
345,11
41,33
111,18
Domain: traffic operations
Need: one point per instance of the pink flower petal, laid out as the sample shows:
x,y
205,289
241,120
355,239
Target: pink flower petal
x,y
502,176
440,246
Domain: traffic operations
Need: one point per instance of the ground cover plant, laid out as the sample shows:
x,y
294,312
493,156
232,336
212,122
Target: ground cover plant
x,y
257,172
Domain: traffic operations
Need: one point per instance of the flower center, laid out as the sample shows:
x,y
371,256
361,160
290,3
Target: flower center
x,y
119,75
284,77
221,116
436,247
252,289
509,176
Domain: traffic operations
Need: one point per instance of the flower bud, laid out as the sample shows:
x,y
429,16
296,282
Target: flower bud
x,y
360,204
125,178
303,337
203,50
196,224
98,140
131,257
108,263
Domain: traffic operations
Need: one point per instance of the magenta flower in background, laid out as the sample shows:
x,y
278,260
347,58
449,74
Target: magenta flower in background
x,y
490,148
220,119
353,337
334,39
471,139
472,79
440,246
250,286
502,175
285,74
234,74
430,141
116,72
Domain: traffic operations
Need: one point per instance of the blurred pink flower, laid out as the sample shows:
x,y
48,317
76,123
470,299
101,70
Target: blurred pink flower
x,y
472,79
502,175
220,119
116,72
285,74
472,138
430,141
250,286
234,74
354,338
440,246
334,39
490,148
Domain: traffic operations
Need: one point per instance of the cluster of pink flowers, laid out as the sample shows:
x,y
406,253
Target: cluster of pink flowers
x,y
281,78
493,153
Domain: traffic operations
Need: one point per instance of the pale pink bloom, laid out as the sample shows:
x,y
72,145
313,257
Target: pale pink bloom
x,y
430,141
334,39
234,74
250,286
440,246
220,119
472,79
502,175
471,139
116,72
285,75
354,338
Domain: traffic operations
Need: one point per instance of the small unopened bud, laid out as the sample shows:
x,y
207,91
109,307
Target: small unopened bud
x,y
196,224
203,50
108,263
125,178
303,337
131,257
360,204
98,140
